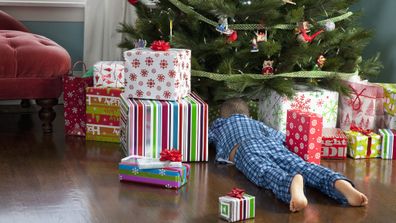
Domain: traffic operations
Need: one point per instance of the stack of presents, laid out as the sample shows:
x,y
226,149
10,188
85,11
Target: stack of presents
x,y
145,104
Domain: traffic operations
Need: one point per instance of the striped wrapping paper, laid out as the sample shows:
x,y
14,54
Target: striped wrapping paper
x,y
237,209
170,177
149,126
103,114
388,147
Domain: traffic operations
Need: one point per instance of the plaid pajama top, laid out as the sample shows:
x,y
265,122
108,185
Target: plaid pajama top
x,y
225,133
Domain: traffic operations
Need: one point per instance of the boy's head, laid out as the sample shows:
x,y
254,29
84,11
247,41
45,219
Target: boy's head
x,y
234,106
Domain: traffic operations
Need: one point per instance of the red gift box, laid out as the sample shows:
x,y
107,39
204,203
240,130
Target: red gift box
x,y
304,134
334,144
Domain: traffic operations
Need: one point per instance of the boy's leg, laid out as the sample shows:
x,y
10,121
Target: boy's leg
x,y
252,160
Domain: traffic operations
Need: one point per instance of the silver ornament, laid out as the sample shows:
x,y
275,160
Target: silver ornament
x,y
329,26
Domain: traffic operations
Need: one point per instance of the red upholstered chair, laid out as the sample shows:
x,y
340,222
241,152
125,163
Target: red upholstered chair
x,y
31,67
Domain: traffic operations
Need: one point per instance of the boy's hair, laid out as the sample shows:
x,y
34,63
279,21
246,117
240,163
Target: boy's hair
x,y
234,106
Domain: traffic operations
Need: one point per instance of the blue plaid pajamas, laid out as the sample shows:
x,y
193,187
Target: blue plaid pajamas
x,y
264,159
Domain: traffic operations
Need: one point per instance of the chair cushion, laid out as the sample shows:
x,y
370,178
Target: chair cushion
x,y
33,61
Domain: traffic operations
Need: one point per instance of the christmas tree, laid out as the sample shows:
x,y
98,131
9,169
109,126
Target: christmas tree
x,y
245,47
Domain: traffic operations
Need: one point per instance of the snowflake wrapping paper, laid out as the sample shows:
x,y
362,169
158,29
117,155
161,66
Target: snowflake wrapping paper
x,y
160,75
364,108
234,209
103,114
74,104
149,126
363,146
273,109
334,144
304,134
169,177
388,145
109,74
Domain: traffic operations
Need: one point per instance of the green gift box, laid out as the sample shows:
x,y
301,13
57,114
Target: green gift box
x,y
363,146
390,98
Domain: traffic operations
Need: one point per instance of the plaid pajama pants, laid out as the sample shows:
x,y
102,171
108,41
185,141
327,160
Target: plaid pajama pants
x,y
271,165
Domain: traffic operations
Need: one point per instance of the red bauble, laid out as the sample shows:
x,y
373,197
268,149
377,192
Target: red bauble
x,y
133,2
233,37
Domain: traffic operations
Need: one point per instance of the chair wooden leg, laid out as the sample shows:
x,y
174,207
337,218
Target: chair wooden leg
x,y
47,113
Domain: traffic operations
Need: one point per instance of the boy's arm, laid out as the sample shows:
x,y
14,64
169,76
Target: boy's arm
x,y
274,133
215,124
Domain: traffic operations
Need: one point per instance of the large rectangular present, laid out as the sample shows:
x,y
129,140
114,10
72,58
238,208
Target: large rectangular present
x,y
304,134
273,109
389,121
169,177
234,209
363,145
363,108
388,146
334,144
160,75
149,126
103,114
389,98
109,74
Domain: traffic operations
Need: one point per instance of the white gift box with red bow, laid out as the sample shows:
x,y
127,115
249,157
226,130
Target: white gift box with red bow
x,y
158,75
109,74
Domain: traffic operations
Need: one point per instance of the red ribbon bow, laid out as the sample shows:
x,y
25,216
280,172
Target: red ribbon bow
x,y
236,192
366,132
160,45
171,155
357,99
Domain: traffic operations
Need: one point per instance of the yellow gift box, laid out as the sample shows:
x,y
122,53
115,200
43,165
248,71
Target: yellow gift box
x,y
361,145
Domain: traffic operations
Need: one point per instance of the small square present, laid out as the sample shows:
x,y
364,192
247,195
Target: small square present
x,y
236,208
169,177
149,126
388,147
273,109
160,75
109,74
363,143
334,144
103,114
304,134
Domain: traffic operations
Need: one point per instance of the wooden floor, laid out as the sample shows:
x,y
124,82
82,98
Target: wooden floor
x,y
53,178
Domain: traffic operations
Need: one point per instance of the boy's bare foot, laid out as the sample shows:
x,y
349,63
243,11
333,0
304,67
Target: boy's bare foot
x,y
298,200
354,197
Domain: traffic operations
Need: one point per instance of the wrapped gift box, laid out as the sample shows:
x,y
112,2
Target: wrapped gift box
x,y
389,98
170,177
363,146
149,126
334,144
237,209
103,114
273,109
109,74
389,121
160,75
388,147
364,108
304,134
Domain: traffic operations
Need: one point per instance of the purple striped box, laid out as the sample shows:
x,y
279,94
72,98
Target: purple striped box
x,y
170,177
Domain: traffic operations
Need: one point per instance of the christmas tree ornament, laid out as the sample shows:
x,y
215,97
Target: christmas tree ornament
x,y
329,26
233,37
320,62
261,36
222,26
254,46
133,2
267,67
245,2
305,38
289,2
140,43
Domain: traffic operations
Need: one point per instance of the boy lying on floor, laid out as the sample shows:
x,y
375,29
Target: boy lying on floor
x,y
259,152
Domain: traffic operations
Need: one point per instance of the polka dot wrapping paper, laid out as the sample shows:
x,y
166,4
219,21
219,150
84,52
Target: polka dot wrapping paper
x,y
159,75
304,134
